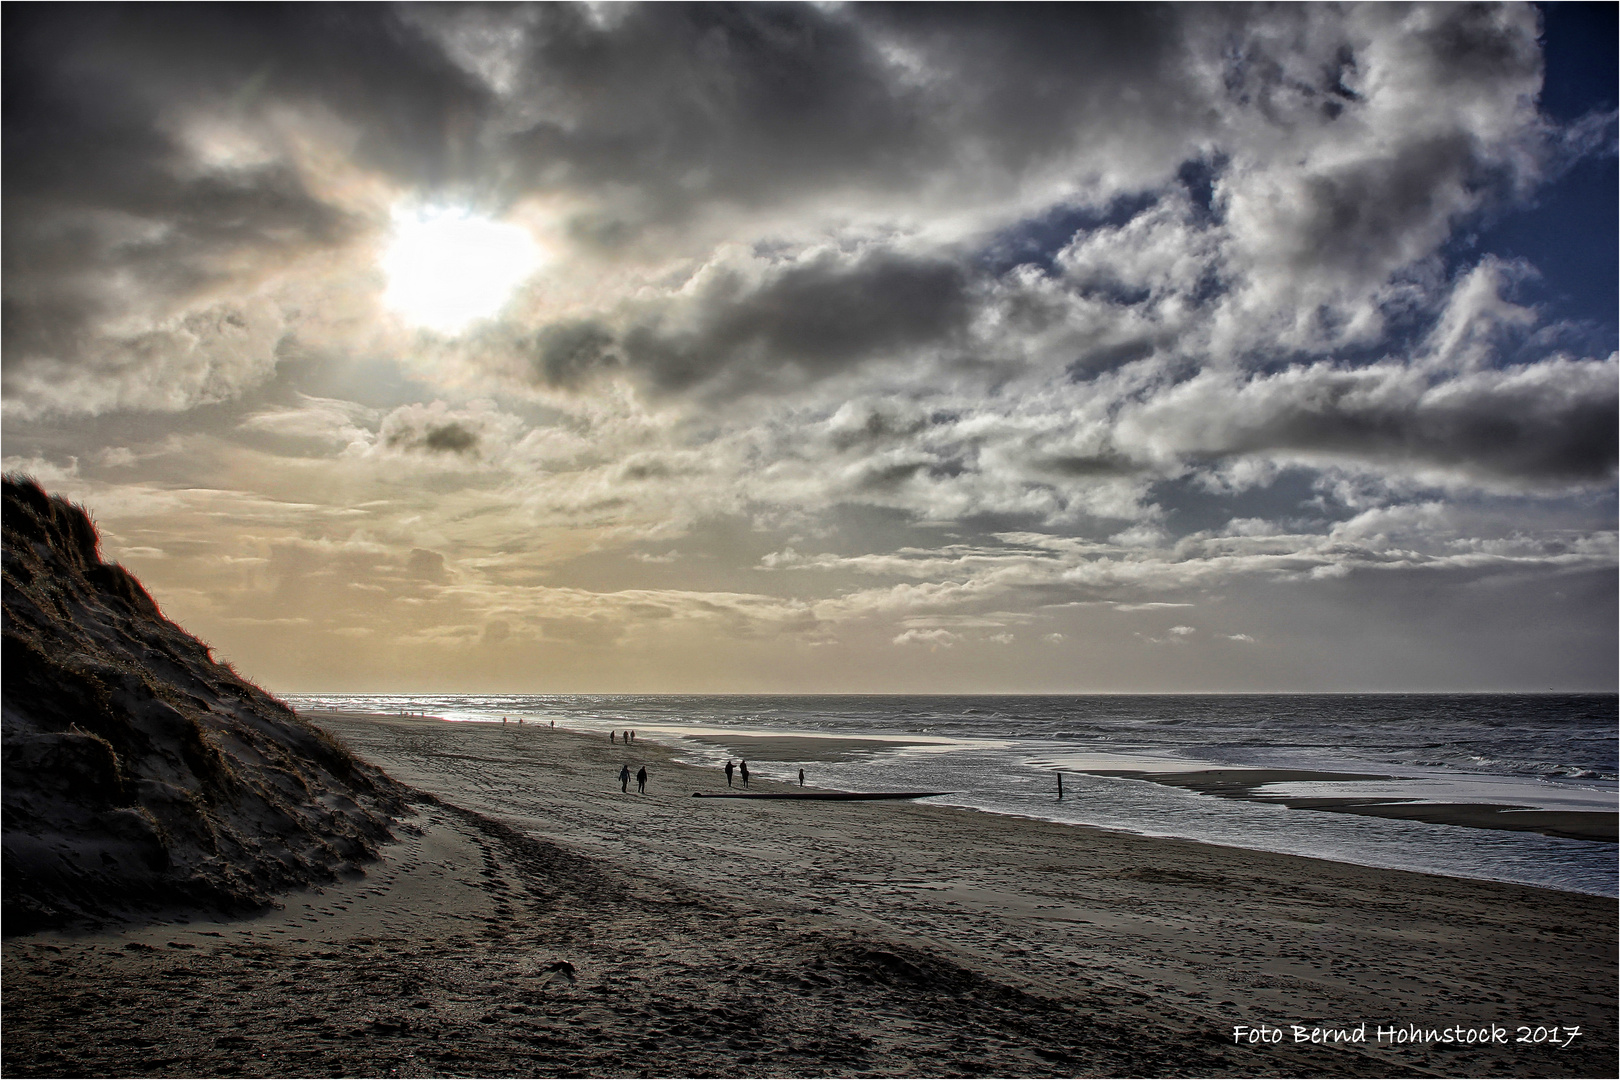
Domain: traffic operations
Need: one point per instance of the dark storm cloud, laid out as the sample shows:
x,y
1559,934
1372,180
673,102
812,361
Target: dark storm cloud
x,y
408,430
1365,213
1027,84
1473,43
760,104
796,323
567,354
92,84
1548,424
819,317
691,102
1087,466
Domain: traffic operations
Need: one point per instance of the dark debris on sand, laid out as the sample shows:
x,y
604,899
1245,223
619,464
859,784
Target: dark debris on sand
x,y
138,771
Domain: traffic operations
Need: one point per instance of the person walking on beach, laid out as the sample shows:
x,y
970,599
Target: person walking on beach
x,y
728,772
744,770
801,778
624,779
641,780
1060,787
613,736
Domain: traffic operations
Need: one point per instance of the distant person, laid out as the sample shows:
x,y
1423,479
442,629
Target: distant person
x,y
613,736
624,779
743,768
632,734
1060,787
641,780
554,723
801,778
728,772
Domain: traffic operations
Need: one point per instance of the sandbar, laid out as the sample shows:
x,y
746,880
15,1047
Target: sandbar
x,y
1249,784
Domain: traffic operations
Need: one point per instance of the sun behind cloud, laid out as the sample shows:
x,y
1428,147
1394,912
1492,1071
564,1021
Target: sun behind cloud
x,y
448,269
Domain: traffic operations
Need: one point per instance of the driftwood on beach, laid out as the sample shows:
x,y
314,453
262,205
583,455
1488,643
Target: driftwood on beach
x,y
820,796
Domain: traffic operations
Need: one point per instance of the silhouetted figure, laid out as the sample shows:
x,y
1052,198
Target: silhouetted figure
x,y
632,734
641,780
554,723
624,779
1060,787
728,772
801,778
743,768
613,736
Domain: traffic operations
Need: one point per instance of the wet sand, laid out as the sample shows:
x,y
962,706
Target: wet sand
x,y
1249,784
534,920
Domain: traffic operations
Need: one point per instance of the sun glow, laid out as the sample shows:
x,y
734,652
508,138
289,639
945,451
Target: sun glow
x,y
447,270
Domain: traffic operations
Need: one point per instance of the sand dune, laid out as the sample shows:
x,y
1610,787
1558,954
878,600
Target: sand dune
x,y
139,772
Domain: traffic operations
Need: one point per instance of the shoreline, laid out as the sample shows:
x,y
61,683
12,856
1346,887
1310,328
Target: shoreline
x,y
534,919
1240,783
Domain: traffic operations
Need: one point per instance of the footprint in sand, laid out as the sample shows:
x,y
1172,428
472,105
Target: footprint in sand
x,y
562,973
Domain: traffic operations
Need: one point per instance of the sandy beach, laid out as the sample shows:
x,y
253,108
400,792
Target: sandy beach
x,y
531,919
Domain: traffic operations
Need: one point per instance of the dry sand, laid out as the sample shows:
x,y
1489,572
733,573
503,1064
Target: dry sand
x,y
536,921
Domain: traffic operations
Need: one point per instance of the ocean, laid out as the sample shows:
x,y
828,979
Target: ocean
x,y
1002,755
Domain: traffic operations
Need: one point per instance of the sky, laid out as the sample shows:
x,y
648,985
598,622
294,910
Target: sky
x,y
602,348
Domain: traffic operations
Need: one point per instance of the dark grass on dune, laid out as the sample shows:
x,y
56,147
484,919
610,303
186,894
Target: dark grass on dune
x,y
139,772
